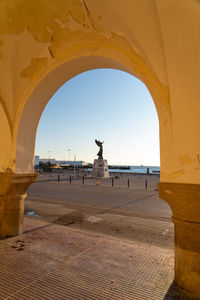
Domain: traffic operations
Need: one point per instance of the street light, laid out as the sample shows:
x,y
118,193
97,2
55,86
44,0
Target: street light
x,y
74,164
69,154
49,155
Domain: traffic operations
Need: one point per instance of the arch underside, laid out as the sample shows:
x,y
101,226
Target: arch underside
x,y
41,95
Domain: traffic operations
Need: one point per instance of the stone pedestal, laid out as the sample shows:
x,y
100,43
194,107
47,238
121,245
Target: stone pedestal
x,y
100,168
12,194
184,200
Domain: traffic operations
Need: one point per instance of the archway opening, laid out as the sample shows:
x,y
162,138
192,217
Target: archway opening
x,y
101,218
117,108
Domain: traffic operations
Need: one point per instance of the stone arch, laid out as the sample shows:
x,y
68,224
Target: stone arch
x,y
142,38
41,94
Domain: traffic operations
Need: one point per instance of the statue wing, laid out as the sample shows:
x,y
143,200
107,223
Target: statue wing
x,y
98,143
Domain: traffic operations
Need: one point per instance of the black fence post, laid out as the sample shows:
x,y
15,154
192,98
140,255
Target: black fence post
x,y
112,181
128,183
146,184
83,180
70,179
58,177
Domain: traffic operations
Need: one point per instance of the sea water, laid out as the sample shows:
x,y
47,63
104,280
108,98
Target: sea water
x,y
138,169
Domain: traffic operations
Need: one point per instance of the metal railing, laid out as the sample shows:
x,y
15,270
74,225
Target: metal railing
x,y
133,181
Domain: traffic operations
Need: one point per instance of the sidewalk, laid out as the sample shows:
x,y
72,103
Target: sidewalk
x,y
55,262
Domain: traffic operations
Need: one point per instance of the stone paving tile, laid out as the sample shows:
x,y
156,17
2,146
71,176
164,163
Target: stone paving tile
x,y
56,262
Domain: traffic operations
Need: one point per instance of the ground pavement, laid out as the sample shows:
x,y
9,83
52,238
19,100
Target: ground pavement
x,y
121,248
135,214
50,261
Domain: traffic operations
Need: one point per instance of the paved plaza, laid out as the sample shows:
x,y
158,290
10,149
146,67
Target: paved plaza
x,y
88,241
136,213
55,262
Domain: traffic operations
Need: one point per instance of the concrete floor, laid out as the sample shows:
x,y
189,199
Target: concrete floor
x,y
121,249
50,261
134,214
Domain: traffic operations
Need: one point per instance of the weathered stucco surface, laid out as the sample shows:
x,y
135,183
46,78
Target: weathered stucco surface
x,y
153,40
44,43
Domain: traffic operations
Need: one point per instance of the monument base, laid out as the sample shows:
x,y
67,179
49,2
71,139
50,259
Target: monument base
x,y
100,168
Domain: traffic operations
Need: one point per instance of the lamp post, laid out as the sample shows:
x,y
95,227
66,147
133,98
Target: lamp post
x,y
74,164
69,154
49,156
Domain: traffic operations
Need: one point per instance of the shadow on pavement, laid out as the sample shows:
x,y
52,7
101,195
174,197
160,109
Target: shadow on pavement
x,y
176,293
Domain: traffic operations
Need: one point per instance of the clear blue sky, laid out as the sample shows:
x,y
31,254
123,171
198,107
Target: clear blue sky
x,y
104,104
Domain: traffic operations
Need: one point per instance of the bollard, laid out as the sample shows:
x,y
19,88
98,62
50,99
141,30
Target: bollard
x,y
146,184
70,179
83,179
58,177
128,183
112,181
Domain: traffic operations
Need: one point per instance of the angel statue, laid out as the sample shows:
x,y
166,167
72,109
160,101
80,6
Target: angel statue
x,y
100,145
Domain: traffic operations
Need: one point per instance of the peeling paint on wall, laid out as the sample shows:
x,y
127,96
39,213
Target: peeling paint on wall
x,y
95,25
19,15
68,29
185,159
52,28
37,64
173,175
66,42
169,192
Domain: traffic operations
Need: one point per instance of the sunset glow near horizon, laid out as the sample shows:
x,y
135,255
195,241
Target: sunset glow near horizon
x,y
104,104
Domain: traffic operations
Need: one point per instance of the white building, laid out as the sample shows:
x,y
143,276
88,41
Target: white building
x,y
52,161
71,162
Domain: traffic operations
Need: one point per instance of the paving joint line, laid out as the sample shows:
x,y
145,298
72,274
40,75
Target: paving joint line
x,y
124,204
53,268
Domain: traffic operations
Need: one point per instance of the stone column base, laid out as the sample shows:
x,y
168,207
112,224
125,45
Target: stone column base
x,y
100,168
184,200
12,194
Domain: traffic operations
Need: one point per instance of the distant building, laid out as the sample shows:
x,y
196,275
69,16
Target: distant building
x,y
52,161
37,161
80,163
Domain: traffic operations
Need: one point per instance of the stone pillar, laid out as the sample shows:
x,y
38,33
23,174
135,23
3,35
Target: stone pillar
x,y
100,168
184,200
12,194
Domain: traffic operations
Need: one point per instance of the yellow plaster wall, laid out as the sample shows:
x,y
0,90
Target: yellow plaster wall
x,y
7,162
153,40
180,26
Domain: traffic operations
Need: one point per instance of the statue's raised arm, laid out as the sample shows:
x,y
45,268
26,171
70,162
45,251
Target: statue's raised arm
x,y
100,145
